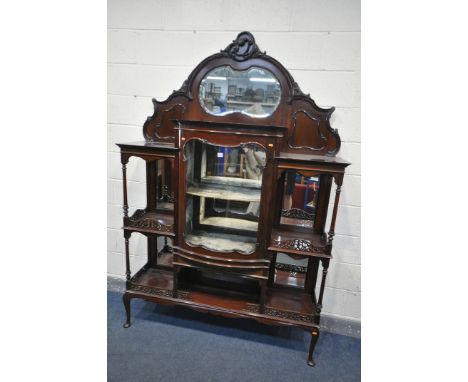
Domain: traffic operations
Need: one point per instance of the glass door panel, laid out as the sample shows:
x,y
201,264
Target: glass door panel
x,y
223,186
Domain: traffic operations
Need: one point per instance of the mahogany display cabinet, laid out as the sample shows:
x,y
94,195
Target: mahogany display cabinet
x,y
239,168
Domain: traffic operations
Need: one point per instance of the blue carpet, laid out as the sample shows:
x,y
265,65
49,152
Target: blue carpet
x,y
176,344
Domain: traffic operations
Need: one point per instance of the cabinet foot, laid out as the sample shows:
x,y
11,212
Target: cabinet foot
x,y
315,335
126,301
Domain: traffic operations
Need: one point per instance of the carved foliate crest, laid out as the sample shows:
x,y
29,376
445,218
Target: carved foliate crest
x,y
243,47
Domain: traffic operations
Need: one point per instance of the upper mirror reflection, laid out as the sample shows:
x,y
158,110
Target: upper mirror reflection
x,y
254,92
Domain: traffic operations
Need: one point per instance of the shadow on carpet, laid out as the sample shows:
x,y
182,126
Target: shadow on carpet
x,y
178,344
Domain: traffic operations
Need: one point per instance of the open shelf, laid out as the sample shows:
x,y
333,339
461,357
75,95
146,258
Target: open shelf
x,y
160,222
224,192
299,243
282,305
289,279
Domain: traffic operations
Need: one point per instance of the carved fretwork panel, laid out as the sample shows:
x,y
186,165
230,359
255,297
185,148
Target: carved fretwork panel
x,y
140,220
280,313
298,245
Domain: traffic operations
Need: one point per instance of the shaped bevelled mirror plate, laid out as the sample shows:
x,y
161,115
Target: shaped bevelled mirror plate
x,y
255,92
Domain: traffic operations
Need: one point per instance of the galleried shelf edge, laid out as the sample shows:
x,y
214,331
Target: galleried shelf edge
x,y
239,167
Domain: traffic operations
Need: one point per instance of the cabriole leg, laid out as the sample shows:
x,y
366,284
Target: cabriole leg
x,y
126,301
315,335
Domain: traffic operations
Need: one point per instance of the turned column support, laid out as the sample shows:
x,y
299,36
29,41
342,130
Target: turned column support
x,y
311,276
325,264
331,231
124,160
127,235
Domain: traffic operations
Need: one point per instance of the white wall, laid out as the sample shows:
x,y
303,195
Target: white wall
x,y
152,47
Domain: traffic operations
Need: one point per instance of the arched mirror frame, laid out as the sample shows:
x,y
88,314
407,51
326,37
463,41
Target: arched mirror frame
x,y
241,79
305,121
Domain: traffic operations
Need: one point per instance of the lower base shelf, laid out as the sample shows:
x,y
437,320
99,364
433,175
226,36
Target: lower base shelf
x,y
283,305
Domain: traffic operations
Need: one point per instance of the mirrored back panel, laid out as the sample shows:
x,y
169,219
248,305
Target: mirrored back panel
x,y
223,187
164,191
299,199
255,92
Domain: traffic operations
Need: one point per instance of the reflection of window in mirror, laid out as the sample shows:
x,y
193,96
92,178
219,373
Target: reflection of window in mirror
x,y
299,199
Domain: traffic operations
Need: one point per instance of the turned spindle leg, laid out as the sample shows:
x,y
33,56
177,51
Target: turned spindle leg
x,y
126,301
124,183
325,264
127,257
315,335
331,232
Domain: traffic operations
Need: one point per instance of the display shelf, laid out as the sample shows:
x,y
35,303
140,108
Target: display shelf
x,y
223,181
230,223
221,242
297,222
160,222
299,243
283,306
225,192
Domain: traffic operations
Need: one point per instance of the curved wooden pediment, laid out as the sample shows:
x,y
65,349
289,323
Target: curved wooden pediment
x,y
308,126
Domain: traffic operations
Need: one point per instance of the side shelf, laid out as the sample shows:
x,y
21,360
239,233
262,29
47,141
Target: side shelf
x,y
300,243
158,223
